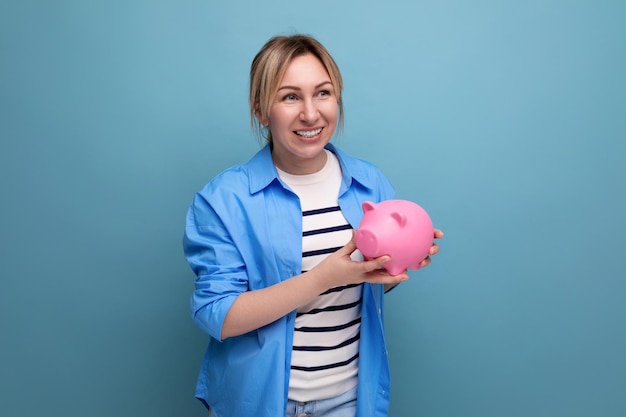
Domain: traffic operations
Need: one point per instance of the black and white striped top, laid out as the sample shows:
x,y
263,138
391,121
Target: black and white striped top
x,y
325,353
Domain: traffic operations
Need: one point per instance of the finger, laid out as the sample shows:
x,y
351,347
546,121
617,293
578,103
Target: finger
x,y
348,248
425,262
383,277
375,264
351,245
438,234
434,249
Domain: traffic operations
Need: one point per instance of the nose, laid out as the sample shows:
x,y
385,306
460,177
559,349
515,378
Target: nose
x,y
309,112
367,242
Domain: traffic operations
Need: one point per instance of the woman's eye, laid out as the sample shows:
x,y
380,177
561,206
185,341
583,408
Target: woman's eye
x,y
324,93
289,97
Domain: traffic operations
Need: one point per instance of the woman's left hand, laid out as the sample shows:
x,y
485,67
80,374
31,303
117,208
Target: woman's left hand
x,y
434,249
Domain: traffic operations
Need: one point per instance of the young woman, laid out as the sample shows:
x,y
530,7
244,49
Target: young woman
x,y
294,313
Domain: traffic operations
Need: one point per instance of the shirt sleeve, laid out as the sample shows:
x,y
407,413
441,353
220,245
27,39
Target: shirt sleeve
x,y
217,263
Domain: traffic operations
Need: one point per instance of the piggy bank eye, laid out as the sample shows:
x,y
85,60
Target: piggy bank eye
x,y
399,217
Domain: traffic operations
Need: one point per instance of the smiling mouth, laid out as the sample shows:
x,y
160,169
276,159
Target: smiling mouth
x,y
308,133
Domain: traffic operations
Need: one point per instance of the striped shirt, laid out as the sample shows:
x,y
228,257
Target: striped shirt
x,y
325,353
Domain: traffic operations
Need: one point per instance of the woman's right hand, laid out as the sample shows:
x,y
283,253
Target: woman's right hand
x,y
340,269
253,309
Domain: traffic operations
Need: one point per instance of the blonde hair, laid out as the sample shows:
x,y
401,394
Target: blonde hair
x,y
269,67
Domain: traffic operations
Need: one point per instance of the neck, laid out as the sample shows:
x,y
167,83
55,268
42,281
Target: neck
x,y
301,166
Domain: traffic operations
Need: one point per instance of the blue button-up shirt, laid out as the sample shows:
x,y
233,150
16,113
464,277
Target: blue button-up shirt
x,y
244,232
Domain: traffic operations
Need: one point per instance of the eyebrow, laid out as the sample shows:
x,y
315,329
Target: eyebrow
x,y
290,87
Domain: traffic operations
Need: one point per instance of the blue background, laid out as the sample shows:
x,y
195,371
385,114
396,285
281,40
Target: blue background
x,y
506,120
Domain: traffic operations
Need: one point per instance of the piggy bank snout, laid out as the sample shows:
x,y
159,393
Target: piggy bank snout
x,y
366,242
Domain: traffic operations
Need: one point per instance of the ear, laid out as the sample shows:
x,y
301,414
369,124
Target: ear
x,y
368,206
263,121
399,217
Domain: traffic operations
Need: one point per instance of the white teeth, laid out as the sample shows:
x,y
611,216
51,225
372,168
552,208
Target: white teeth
x,y
308,133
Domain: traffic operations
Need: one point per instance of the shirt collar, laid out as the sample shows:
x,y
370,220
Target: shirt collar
x,y
265,172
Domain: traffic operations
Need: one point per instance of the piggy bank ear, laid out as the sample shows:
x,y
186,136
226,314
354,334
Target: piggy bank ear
x,y
399,217
368,206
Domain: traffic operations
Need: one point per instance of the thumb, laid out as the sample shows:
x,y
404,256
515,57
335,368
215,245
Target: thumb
x,y
350,246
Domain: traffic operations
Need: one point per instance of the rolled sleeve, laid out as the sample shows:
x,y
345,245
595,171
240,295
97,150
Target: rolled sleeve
x,y
217,263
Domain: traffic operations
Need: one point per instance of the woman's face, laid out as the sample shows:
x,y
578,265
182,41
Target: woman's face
x,y
303,116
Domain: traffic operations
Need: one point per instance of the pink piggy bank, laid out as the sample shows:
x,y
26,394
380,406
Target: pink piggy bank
x,y
398,228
